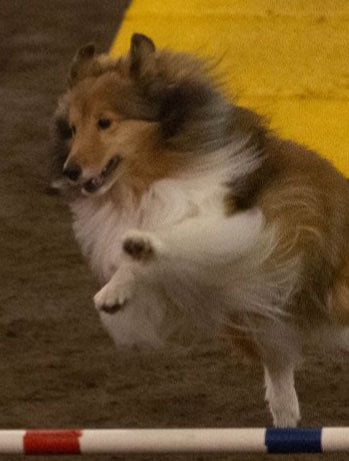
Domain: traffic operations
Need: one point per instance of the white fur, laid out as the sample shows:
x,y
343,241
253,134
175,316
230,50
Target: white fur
x,y
100,225
206,267
281,396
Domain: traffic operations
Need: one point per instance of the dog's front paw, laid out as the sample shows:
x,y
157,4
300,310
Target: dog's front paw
x,y
141,246
113,296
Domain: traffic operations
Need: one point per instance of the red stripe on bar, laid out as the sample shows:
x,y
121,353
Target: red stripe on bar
x,y
52,442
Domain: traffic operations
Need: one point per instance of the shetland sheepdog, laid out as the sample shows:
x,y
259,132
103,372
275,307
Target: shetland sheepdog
x,y
198,220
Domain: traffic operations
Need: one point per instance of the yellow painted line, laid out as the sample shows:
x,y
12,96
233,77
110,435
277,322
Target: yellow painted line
x,y
288,59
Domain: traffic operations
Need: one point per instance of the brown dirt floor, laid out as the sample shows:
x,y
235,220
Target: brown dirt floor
x,y
58,366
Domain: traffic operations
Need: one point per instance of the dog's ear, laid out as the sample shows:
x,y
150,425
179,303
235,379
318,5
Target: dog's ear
x,y
86,52
81,63
141,49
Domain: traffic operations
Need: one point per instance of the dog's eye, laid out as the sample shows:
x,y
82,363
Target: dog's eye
x,y
73,129
104,123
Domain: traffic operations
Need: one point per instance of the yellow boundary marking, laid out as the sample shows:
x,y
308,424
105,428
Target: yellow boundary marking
x,y
286,59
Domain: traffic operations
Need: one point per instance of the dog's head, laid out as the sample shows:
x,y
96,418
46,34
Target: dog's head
x,y
136,118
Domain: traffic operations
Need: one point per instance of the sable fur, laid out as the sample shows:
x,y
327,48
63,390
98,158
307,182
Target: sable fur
x,y
210,225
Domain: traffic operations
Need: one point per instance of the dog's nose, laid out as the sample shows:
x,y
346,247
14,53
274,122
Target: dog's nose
x,y
72,171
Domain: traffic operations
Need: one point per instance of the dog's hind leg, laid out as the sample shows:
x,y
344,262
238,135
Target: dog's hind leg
x,y
281,354
281,395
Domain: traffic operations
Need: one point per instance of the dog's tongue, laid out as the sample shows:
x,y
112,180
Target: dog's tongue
x,y
93,184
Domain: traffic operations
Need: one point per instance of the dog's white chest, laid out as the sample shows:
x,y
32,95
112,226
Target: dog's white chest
x,y
99,231
100,228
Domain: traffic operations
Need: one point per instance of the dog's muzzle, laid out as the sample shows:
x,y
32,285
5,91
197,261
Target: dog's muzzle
x,y
93,184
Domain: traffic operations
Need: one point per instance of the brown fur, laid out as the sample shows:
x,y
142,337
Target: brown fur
x,y
309,200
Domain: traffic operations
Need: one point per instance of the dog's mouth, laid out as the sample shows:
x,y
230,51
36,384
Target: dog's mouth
x,y
95,183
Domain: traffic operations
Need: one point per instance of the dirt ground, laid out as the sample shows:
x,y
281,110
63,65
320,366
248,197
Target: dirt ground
x,y
58,366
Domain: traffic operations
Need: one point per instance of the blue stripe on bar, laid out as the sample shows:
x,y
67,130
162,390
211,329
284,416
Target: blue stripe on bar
x,y
293,440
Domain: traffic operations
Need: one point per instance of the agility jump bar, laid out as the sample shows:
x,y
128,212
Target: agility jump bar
x,y
126,441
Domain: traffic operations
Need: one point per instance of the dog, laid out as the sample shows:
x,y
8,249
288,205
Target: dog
x,y
198,220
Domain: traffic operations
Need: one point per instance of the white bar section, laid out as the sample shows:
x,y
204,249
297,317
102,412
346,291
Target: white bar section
x,y
172,440
11,441
335,439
